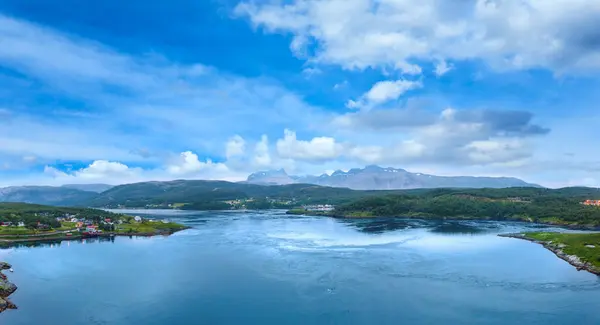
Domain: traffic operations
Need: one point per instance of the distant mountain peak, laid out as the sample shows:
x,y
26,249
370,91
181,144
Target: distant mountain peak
x,y
274,176
338,172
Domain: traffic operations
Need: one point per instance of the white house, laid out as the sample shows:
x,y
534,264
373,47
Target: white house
x,y
74,220
137,218
21,224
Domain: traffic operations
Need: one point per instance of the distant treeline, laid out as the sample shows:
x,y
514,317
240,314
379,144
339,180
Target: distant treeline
x,y
561,206
31,214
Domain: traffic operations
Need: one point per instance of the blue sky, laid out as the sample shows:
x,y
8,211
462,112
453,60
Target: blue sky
x,y
117,92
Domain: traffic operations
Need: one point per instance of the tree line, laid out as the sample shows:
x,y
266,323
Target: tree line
x,y
537,205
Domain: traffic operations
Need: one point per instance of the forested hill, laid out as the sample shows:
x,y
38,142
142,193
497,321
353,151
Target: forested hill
x,y
559,206
49,195
208,195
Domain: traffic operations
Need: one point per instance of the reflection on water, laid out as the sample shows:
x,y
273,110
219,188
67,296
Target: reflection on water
x,y
381,225
59,242
457,228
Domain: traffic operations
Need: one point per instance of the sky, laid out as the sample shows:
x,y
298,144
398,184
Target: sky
x,y
126,91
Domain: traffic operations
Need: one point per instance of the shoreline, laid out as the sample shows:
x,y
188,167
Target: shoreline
x,y
557,250
7,243
6,289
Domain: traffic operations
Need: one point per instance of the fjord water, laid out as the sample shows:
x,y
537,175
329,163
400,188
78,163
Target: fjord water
x,y
269,268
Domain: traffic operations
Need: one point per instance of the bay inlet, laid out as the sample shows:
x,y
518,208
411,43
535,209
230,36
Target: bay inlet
x,y
272,268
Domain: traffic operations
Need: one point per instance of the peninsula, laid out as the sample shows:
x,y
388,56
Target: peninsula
x,y
25,223
561,207
581,250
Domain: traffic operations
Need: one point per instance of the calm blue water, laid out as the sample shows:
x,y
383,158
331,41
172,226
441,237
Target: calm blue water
x,y
267,268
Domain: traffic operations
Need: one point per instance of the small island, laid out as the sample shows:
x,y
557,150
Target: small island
x,y
29,223
581,250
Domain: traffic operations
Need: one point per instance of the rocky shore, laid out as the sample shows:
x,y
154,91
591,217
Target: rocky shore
x,y
557,249
6,289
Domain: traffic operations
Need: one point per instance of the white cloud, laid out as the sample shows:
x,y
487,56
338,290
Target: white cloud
x,y
317,149
560,35
262,156
99,170
407,68
236,146
442,67
188,164
384,91
497,151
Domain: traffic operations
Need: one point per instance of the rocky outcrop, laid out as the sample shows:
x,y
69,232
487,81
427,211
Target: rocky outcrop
x,y
557,249
6,289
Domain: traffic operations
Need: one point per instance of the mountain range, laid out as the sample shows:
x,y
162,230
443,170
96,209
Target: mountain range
x,y
379,178
339,185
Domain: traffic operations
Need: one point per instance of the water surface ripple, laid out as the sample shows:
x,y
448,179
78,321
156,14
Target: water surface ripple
x,y
269,268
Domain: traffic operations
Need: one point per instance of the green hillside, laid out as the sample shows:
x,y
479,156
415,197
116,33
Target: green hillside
x,y
209,195
560,206
518,203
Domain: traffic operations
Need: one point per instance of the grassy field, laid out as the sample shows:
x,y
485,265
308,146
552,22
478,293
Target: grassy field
x,y
148,227
6,231
585,246
9,231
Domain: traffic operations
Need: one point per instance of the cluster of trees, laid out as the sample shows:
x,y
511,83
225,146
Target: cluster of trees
x,y
540,205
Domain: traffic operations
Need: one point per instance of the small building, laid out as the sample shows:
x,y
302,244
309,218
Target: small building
x,y
319,207
91,229
107,220
137,219
74,220
592,202
6,224
21,224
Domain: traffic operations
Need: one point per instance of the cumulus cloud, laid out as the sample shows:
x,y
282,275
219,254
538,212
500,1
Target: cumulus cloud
x,y
236,146
461,137
188,164
382,92
317,149
561,35
99,170
185,165
262,155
